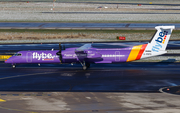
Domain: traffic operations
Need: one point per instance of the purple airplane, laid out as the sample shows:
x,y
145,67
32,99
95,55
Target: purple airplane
x,y
86,54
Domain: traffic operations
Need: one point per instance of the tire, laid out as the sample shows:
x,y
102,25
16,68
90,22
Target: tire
x,y
13,66
84,67
87,65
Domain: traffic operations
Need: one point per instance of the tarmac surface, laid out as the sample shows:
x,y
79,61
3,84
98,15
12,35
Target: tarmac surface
x,y
99,78
100,26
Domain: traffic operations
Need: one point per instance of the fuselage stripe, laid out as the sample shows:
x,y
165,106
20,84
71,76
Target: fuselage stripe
x,y
141,51
134,53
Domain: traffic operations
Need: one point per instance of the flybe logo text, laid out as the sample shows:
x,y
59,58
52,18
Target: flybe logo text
x,y
43,56
159,41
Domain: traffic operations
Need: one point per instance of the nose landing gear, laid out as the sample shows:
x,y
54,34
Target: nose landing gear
x,y
13,66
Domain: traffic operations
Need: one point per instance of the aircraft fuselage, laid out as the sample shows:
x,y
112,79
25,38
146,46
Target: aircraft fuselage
x,y
69,55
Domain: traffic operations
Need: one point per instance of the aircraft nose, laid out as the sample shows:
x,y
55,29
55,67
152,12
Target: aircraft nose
x,y
8,61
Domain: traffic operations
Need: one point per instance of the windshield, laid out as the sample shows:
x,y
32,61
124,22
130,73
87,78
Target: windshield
x,y
17,54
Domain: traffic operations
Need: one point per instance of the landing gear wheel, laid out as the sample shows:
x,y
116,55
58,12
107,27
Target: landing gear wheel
x,y
13,66
84,67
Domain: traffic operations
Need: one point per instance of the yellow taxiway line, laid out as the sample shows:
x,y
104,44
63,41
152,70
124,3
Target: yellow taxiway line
x,y
1,100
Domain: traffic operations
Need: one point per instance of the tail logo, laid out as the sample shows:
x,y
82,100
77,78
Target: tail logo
x,y
159,41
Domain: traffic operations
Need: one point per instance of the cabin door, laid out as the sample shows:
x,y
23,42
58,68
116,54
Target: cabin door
x,y
117,56
29,57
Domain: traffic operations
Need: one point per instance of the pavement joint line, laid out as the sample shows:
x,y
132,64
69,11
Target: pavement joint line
x,y
26,75
24,95
123,28
10,109
72,70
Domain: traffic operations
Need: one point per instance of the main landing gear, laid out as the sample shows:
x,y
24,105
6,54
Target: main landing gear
x,y
85,65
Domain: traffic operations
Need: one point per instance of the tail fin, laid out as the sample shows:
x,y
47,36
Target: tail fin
x,y
161,38
159,41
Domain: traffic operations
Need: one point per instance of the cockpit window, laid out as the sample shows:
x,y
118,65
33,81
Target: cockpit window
x,y
17,54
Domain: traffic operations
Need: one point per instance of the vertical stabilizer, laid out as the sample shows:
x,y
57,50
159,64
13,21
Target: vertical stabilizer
x,y
159,41
161,38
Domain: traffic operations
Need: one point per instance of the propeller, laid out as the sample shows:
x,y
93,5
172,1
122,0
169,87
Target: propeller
x,y
59,53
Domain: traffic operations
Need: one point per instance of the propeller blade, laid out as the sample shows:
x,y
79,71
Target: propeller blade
x,y
59,53
60,48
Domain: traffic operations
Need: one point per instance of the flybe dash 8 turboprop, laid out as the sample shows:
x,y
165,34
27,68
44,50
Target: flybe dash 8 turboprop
x,y
86,54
